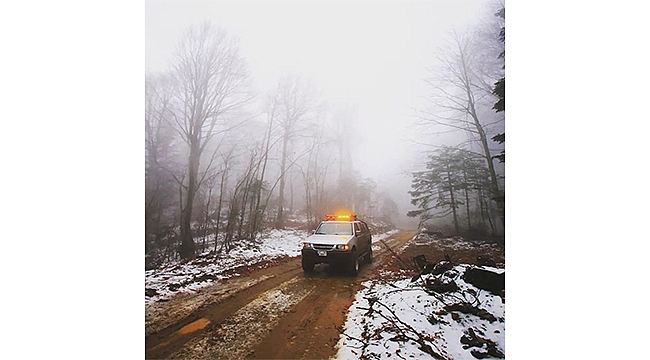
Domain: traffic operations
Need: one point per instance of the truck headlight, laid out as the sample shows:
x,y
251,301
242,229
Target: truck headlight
x,y
343,247
306,245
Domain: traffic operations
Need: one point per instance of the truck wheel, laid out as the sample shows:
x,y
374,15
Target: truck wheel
x,y
354,263
307,266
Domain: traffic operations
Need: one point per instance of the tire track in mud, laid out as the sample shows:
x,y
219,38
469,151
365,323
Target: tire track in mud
x,y
310,329
287,314
161,315
240,332
167,341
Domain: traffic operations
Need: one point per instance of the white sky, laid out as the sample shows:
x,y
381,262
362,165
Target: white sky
x,y
372,54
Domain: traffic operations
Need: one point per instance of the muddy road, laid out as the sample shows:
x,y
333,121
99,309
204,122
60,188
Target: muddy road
x,y
278,312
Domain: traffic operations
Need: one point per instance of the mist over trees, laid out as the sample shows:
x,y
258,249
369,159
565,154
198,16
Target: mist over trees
x,y
467,101
224,162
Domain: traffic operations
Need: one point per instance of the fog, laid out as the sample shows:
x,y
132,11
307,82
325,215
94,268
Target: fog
x,y
370,55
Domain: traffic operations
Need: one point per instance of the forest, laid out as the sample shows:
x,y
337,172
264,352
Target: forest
x,y
226,160
461,179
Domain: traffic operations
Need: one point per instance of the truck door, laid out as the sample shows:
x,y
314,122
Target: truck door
x,y
361,240
367,235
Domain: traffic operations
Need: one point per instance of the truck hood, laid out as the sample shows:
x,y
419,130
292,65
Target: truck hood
x,y
328,239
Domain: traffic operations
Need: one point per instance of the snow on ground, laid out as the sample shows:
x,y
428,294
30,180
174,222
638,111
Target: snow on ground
x,y
377,238
161,284
383,236
203,270
405,318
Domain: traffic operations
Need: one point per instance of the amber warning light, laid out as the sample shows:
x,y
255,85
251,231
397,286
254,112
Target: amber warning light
x,y
345,217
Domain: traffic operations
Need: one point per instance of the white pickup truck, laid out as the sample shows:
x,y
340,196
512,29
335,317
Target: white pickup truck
x,y
340,241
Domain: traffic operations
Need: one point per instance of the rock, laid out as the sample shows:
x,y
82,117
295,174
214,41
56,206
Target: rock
x,y
441,267
452,274
438,286
470,339
479,354
483,261
174,286
486,280
469,309
493,351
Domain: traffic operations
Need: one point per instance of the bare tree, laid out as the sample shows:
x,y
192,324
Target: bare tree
x,y
206,222
344,124
223,183
297,98
314,171
238,202
159,152
387,208
213,83
460,90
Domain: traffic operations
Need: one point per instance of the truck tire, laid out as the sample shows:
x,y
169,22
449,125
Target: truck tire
x,y
353,264
307,266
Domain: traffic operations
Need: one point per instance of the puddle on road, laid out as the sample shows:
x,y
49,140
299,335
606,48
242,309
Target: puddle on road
x,y
191,327
194,326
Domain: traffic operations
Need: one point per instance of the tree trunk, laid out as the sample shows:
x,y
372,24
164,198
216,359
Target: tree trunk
x,y
258,213
486,205
469,222
244,202
222,186
488,156
453,201
291,193
187,248
206,225
279,222
480,209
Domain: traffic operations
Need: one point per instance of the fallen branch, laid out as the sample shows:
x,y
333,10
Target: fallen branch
x,y
397,256
403,336
364,344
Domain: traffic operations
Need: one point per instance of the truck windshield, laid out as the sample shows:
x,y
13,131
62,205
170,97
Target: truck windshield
x,y
335,229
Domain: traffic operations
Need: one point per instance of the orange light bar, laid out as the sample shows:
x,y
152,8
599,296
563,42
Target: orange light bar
x,y
345,217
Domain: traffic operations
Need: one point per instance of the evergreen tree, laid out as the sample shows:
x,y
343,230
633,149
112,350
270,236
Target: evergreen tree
x,y
500,89
440,190
500,105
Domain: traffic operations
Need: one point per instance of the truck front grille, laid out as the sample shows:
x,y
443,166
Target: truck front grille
x,y
323,247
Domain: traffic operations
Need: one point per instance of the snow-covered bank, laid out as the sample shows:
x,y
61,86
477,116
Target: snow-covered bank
x,y
192,275
400,318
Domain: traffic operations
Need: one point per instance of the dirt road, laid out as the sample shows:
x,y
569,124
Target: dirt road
x,y
277,312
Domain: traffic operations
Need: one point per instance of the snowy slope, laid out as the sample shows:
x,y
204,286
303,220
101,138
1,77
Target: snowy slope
x,y
404,316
